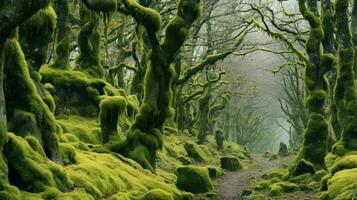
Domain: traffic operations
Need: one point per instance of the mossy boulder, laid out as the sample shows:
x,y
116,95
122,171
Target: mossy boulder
x,y
346,162
29,170
341,185
195,152
282,187
230,163
158,194
214,172
194,179
283,149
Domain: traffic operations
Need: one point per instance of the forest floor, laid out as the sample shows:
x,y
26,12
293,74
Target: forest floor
x,y
233,184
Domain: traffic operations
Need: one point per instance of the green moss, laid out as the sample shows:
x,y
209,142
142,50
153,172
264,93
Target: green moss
x,y
195,152
31,171
341,184
158,194
262,185
9,192
85,129
26,98
319,175
194,179
230,163
111,108
35,145
346,162
68,153
275,173
282,187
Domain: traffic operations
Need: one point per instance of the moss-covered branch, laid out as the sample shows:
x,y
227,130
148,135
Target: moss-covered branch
x,y
211,59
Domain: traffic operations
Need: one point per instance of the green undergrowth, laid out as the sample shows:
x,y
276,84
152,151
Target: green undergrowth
x,y
88,175
276,184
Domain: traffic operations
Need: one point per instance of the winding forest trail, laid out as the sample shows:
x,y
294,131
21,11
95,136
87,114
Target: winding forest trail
x,y
233,184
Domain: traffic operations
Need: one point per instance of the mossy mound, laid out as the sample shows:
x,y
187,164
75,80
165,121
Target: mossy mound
x,y
29,170
230,163
194,179
346,162
195,152
282,187
83,129
158,194
275,173
9,192
341,186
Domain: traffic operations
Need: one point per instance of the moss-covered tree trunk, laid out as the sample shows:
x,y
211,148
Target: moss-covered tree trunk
x,y
3,121
27,113
203,118
145,136
89,44
345,89
12,14
63,34
312,154
354,30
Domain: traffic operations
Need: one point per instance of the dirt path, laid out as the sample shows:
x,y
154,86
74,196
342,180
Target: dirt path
x,y
232,184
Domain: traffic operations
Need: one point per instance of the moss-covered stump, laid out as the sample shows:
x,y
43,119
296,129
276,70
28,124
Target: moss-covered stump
x,y
75,92
283,149
194,179
230,163
158,194
29,170
111,108
195,152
